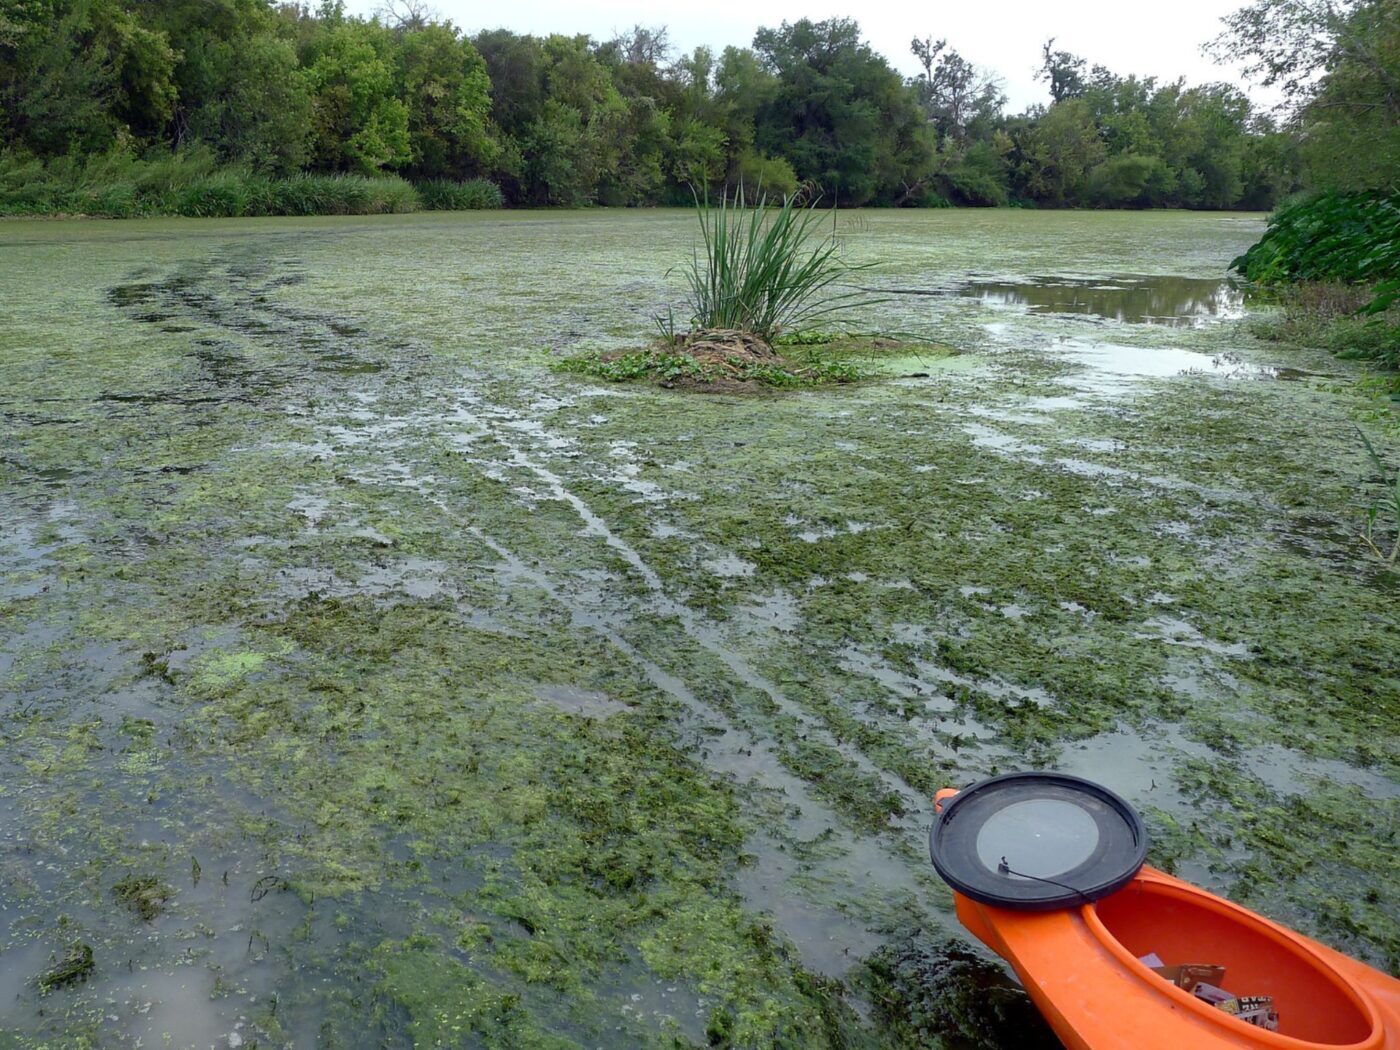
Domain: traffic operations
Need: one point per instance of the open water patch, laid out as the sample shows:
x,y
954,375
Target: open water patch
x,y
1113,368
1181,302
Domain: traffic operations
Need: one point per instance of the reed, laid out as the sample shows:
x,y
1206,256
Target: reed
x,y
764,269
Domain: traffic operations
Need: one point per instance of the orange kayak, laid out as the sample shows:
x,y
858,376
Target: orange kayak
x,y
1081,967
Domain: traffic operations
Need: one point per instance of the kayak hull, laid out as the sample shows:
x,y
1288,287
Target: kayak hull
x,y
1080,966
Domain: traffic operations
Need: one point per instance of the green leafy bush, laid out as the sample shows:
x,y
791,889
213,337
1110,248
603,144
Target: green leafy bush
x,y
977,177
1337,258
1128,179
1352,237
772,175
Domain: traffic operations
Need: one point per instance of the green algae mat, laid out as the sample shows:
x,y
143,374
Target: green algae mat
x,y
367,680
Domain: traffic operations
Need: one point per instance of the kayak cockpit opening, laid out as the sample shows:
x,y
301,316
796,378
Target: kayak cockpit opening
x,y
1314,1002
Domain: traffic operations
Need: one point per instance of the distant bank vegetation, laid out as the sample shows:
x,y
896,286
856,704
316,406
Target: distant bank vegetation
x,y
1333,254
300,107
121,186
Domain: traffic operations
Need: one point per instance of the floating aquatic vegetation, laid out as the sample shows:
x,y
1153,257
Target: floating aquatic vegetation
x,y
76,964
145,895
932,992
730,361
577,712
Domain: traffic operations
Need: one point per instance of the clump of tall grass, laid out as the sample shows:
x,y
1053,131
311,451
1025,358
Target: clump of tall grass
x,y
449,195
1386,503
116,184
344,195
221,194
762,270
119,185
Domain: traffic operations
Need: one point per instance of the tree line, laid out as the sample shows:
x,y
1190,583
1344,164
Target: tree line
x,y
280,89
1333,254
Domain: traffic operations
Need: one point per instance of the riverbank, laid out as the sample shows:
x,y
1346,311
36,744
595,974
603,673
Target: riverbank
x,y
191,185
1331,317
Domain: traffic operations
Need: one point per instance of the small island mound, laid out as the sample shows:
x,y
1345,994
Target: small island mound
x,y
760,279
733,361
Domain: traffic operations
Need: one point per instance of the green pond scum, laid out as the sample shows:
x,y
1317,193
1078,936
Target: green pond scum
x,y
372,675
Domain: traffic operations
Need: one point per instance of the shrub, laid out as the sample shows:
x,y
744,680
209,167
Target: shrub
x,y
1129,179
977,177
1353,237
766,175
1338,256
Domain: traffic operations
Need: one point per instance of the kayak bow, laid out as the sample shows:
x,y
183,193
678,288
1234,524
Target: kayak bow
x,y
1080,966
1081,960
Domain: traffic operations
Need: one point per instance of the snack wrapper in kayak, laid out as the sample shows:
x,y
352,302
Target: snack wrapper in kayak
x,y
1187,975
1211,993
1203,981
1257,1010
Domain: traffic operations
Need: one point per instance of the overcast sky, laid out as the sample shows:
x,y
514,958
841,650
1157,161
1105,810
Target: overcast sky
x,y
1004,35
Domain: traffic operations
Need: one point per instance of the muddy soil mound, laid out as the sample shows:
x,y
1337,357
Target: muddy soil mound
x,y
727,347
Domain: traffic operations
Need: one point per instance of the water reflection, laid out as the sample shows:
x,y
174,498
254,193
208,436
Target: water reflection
x,y
1181,301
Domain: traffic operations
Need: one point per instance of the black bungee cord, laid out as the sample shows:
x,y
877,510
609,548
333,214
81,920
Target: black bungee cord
x,y
1006,869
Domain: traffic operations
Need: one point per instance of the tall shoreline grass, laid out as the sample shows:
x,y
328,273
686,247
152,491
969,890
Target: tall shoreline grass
x,y
120,186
